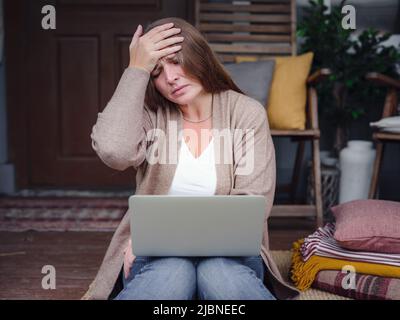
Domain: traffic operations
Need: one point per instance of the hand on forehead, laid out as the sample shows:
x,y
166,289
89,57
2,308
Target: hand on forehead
x,y
170,56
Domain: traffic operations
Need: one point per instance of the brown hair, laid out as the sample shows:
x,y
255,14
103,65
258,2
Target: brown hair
x,y
197,60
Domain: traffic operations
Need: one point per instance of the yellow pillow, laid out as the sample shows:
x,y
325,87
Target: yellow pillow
x,y
239,59
286,106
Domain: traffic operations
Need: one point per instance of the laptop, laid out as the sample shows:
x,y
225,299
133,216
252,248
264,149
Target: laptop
x,y
220,225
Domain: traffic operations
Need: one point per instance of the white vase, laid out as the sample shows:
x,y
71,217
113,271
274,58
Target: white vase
x,y
356,164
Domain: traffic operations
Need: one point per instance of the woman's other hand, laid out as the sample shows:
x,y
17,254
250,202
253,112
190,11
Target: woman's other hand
x,y
128,259
145,50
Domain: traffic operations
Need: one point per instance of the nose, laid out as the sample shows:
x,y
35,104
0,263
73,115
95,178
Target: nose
x,y
170,74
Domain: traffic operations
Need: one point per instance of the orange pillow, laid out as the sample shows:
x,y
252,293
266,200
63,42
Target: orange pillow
x,y
286,107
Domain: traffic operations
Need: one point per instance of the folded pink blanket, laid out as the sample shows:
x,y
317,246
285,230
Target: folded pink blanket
x,y
322,243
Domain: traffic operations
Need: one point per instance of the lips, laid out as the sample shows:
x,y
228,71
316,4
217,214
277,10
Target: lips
x,y
178,88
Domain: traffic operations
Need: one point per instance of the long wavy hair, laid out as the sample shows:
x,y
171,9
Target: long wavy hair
x,y
196,59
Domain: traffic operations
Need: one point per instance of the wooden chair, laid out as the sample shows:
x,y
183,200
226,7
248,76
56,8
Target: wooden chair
x,y
380,138
265,30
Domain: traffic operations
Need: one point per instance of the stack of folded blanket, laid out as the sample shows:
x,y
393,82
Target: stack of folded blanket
x,y
363,268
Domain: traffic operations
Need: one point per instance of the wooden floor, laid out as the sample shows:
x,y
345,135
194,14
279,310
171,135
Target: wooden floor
x,y
76,257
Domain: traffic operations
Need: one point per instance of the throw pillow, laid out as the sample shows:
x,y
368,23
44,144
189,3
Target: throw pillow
x,y
253,78
368,225
288,94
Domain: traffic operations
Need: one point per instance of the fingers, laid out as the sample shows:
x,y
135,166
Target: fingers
x,y
168,42
168,51
165,34
137,34
170,56
126,270
158,29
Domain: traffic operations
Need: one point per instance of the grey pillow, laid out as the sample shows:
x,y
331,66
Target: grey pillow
x,y
253,78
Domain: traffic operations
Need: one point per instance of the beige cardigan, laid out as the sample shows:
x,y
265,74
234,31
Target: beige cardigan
x,y
119,139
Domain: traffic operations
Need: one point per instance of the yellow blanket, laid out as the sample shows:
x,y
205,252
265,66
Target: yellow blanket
x,y
304,273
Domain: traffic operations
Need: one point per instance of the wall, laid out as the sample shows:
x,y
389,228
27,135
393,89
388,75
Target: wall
x,y
6,169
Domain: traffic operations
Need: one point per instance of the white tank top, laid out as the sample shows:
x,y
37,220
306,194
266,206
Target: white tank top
x,y
195,176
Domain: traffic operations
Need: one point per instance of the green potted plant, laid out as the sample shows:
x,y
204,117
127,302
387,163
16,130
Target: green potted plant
x,y
346,96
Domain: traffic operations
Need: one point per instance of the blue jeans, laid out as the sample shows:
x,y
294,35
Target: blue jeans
x,y
192,278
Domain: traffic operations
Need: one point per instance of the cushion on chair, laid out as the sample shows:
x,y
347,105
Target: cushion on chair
x,y
368,225
287,99
253,78
389,124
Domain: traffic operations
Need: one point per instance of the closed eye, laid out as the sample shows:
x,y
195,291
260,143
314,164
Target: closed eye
x,y
173,60
158,68
156,72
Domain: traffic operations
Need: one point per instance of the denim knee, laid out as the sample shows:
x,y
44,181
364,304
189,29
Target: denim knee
x,y
229,279
170,278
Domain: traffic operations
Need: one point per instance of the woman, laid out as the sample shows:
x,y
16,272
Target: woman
x,y
174,87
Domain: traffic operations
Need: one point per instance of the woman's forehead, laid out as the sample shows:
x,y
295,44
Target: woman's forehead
x,y
165,59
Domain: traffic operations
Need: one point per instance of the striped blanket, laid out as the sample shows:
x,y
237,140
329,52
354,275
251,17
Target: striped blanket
x,y
303,273
322,243
365,287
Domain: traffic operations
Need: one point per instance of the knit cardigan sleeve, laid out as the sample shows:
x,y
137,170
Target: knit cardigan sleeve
x,y
119,134
254,153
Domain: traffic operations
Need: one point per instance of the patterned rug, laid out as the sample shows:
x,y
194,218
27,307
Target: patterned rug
x,y
62,210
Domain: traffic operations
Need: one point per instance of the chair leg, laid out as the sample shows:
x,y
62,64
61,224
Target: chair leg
x,y
376,170
317,182
296,170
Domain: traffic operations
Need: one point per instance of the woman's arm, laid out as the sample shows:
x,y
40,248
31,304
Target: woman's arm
x,y
119,135
254,164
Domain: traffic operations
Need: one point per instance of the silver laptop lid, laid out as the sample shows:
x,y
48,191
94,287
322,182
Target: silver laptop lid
x,y
218,225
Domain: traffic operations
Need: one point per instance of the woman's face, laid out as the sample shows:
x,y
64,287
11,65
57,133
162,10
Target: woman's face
x,y
172,82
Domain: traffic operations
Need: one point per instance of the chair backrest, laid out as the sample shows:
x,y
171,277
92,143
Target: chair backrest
x,y
261,29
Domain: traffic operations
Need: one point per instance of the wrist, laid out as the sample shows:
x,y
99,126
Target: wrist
x,y
138,67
